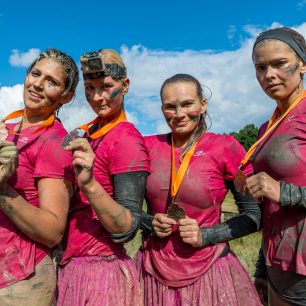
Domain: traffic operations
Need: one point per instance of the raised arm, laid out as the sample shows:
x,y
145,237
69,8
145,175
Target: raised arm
x,y
119,215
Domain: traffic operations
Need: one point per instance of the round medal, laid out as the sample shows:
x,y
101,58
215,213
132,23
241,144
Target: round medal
x,y
240,181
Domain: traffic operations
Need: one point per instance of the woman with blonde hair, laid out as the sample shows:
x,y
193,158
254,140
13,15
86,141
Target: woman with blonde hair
x,y
111,166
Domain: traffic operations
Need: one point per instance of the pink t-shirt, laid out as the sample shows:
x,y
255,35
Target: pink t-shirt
x,y
40,156
121,150
283,156
203,189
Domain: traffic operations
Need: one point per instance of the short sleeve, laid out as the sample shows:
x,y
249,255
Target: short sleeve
x,y
128,152
232,155
52,160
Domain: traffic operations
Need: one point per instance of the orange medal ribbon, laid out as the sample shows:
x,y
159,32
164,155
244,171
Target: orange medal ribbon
x,y
177,177
19,113
104,129
271,126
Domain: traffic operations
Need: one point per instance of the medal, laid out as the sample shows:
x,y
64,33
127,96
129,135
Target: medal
x,y
176,212
239,181
3,132
68,138
240,178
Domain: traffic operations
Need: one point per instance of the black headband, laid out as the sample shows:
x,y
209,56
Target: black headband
x,y
285,36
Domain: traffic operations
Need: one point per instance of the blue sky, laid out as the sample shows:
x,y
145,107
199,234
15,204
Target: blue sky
x,y
211,40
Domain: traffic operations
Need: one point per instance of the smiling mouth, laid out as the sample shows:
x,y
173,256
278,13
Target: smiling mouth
x,y
35,95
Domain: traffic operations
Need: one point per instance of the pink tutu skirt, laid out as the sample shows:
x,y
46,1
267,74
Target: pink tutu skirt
x,y
98,280
225,283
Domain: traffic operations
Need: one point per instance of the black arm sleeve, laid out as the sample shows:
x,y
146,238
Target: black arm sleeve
x,y
129,189
260,266
292,195
146,222
247,222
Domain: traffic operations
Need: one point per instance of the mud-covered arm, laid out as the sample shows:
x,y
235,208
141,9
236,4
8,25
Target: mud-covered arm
x,y
129,189
247,222
292,195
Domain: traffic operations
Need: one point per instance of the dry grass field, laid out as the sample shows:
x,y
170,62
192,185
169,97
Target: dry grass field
x,y
246,248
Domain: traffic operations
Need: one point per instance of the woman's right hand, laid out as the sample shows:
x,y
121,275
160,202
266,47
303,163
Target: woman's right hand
x,y
83,160
261,285
162,225
8,160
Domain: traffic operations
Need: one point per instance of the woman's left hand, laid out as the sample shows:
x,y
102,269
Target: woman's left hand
x,y
190,231
83,160
8,160
262,185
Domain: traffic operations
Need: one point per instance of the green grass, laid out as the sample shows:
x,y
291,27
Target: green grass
x,y
133,245
245,248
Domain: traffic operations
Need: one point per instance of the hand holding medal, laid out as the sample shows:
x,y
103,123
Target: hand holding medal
x,y
70,137
162,225
3,132
8,155
190,232
242,184
83,158
176,212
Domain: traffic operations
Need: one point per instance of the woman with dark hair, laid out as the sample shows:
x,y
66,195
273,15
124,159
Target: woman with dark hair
x,y
186,258
36,182
279,160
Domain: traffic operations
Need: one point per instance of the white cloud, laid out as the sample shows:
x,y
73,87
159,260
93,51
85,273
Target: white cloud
x,y
132,117
23,59
11,99
236,100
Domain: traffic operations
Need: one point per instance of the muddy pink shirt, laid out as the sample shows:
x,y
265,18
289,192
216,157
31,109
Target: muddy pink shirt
x,y
40,156
121,150
283,156
203,189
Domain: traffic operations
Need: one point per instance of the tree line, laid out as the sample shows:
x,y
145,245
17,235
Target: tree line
x,y
246,136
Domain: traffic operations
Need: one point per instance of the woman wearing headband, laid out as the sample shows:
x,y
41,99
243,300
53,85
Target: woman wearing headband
x,y
279,57
186,258
35,182
111,166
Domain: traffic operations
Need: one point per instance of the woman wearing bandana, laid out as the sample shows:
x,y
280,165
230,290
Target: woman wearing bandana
x,y
186,259
111,165
36,182
279,161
